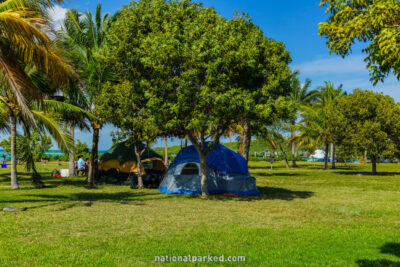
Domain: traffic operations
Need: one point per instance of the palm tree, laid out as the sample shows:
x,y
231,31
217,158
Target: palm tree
x,y
25,43
300,96
313,130
329,94
272,135
83,36
49,116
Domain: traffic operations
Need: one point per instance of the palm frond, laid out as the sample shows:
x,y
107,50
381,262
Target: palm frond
x,y
67,111
31,4
55,128
17,82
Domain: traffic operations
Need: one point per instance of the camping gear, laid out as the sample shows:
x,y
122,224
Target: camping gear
x,y
227,173
56,173
119,164
3,166
64,173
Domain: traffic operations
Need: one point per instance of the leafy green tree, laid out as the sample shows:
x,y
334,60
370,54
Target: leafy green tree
x,y
81,148
196,70
172,51
375,23
365,120
125,105
259,71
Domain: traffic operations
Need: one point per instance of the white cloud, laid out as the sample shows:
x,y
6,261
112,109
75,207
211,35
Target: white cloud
x,y
57,15
333,65
351,72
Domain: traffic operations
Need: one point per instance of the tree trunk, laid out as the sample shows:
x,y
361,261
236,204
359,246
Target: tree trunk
x,y
14,179
373,161
365,157
72,152
201,150
166,151
204,178
326,156
333,155
245,140
293,151
285,156
94,168
139,168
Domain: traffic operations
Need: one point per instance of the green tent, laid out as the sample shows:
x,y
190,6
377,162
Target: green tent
x,y
123,153
119,164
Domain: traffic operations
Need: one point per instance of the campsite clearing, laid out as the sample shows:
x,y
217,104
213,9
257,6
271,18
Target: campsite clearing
x,y
306,215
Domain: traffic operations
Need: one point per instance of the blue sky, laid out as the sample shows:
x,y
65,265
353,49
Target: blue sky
x,y
293,22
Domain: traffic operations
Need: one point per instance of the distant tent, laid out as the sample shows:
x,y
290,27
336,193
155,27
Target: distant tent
x,y
318,155
227,173
120,162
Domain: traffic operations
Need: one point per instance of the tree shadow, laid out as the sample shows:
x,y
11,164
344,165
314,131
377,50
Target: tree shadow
x,y
279,174
378,263
68,201
363,173
391,248
388,248
95,196
268,193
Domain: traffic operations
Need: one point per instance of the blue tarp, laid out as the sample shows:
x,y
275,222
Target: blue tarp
x,y
221,159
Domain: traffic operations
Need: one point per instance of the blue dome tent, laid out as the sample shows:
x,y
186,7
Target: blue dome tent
x,y
227,173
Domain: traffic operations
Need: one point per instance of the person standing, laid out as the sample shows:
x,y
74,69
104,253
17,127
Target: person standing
x,y
81,165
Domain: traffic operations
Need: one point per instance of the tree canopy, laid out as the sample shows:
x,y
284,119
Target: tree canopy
x,y
375,23
194,72
365,120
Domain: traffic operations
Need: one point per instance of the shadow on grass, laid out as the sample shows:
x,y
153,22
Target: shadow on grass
x,y
363,173
388,248
378,263
391,248
279,174
94,196
68,201
268,193
49,181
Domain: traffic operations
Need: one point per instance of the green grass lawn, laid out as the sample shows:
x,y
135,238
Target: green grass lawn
x,y
304,216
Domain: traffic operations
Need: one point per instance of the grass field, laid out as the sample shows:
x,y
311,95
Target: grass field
x,y
304,217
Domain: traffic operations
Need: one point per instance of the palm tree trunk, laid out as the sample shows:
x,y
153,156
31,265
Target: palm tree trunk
x,y
245,140
285,156
72,152
293,150
333,155
166,151
326,155
93,168
14,178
